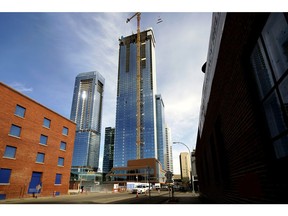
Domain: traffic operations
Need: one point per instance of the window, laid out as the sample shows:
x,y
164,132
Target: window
x,y
20,111
275,37
40,157
269,61
43,139
274,115
65,131
58,178
60,161
283,87
46,123
63,145
262,69
10,152
5,175
15,130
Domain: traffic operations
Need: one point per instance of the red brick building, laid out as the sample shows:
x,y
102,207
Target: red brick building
x,y
36,147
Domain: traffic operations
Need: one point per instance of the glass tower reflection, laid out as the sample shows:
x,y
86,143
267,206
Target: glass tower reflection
x,y
125,131
86,111
161,133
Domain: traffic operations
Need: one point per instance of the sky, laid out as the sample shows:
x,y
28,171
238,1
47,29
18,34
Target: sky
x,y
42,53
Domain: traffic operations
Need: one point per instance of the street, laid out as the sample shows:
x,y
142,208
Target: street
x,y
112,198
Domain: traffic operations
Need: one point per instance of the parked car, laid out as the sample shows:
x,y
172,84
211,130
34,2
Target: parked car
x,y
140,189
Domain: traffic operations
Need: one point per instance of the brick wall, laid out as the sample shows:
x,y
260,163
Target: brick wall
x,y
235,160
28,145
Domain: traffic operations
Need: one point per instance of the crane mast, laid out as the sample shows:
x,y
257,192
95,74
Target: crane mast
x,y
138,115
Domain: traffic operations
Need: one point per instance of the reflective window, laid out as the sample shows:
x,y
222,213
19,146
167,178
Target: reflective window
x,y
60,161
65,131
63,145
10,152
58,178
40,157
46,122
120,172
15,130
5,175
275,36
281,147
126,109
269,61
43,139
283,87
274,114
262,70
20,111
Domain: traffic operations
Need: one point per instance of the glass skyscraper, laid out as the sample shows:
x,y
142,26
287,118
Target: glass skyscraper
x,y
108,149
161,135
86,111
125,130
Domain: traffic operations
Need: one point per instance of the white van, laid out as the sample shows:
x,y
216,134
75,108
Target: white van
x,y
140,189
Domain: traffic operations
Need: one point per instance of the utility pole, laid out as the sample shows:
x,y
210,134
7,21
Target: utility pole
x,y
149,181
138,129
192,180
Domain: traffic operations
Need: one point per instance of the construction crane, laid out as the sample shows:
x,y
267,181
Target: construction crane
x,y
138,129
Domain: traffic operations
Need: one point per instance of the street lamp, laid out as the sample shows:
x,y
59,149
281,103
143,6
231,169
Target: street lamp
x,y
148,168
192,180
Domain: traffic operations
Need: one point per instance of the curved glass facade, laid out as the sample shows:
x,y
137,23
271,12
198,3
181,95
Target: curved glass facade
x,y
86,111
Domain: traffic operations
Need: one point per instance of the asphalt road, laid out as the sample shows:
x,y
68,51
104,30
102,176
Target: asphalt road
x,y
112,198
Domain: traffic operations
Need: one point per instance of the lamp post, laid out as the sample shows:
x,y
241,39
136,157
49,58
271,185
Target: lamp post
x,y
192,180
148,168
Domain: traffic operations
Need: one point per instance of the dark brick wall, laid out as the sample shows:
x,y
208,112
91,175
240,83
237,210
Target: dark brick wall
x,y
235,157
28,145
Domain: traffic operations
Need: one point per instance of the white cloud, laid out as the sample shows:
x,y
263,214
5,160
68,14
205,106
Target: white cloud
x,y
181,50
21,87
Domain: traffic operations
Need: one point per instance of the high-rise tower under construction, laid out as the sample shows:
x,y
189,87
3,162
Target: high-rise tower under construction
x,y
126,112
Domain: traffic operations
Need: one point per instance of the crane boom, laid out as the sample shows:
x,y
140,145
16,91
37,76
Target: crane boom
x,y
138,129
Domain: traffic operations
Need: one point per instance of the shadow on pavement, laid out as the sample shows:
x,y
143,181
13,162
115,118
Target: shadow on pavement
x,y
179,198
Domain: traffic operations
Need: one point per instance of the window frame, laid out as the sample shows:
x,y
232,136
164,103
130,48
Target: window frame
x,y
40,141
60,161
37,157
14,153
61,144
45,120
5,177
272,99
15,126
58,179
65,129
17,111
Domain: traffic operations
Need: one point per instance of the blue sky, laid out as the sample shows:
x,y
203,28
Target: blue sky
x,y
42,53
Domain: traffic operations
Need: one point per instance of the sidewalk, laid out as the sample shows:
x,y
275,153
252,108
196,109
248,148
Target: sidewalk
x,y
185,198
179,198
109,198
